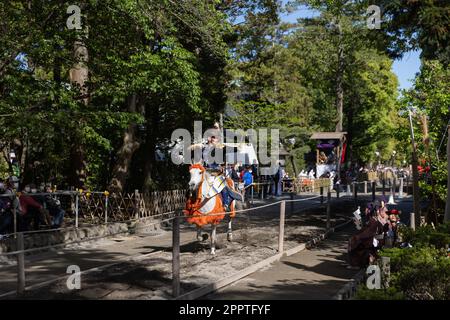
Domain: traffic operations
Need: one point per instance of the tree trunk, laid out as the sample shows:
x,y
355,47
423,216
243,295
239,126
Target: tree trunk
x,y
294,165
79,75
125,154
447,203
150,147
339,83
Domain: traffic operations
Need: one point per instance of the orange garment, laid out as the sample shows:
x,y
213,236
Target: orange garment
x,y
193,206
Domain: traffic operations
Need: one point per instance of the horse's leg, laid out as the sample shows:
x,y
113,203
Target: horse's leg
x,y
213,239
229,231
199,234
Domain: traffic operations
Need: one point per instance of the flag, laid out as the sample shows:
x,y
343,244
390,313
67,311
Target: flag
x,y
344,148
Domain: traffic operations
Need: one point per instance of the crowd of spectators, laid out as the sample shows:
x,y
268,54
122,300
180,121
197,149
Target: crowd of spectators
x,y
34,208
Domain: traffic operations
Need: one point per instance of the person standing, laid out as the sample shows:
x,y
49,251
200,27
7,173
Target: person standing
x,y
248,181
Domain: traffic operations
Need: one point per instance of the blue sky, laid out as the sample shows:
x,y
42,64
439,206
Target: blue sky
x,y
405,69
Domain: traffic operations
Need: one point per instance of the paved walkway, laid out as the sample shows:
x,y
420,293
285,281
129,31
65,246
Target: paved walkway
x,y
317,273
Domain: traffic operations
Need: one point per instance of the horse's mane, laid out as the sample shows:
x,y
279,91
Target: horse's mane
x,y
197,166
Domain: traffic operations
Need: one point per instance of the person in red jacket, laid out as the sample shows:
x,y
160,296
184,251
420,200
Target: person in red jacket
x,y
30,209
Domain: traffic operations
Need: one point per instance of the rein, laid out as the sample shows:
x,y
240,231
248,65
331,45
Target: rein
x,y
198,200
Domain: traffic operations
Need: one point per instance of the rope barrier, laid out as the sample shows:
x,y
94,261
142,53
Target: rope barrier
x,y
300,200
151,224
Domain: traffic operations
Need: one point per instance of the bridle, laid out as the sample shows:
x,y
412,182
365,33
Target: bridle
x,y
198,204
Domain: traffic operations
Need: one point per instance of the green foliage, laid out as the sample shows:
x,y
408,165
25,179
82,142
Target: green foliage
x,y
391,293
169,54
428,236
292,73
416,24
431,98
421,272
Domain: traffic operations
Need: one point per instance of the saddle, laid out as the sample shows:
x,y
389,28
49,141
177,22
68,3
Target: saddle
x,y
217,186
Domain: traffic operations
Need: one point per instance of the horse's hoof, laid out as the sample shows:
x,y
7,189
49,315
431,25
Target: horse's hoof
x,y
230,237
213,252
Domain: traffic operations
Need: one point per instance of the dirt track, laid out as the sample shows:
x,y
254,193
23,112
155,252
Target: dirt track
x,y
255,238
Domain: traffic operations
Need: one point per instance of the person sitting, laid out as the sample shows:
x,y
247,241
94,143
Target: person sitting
x,y
363,247
32,210
54,207
322,157
6,217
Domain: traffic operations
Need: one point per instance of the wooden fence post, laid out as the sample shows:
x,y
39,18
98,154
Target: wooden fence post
x,y
136,200
176,255
385,271
20,264
281,230
328,210
321,195
400,189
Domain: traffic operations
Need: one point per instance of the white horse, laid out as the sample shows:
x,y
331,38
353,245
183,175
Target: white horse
x,y
204,205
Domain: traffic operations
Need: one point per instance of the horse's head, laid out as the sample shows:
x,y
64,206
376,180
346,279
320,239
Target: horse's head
x,y
196,171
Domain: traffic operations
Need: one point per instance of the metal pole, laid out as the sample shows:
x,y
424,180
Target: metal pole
x,y
292,203
251,190
106,209
261,194
14,214
365,187
338,187
400,189
328,210
394,185
355,191
412,221
384,185
20,264
281,233
76,210
176,255
374,188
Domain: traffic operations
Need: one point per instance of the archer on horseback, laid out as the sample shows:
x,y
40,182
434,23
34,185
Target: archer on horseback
x,y
209,151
